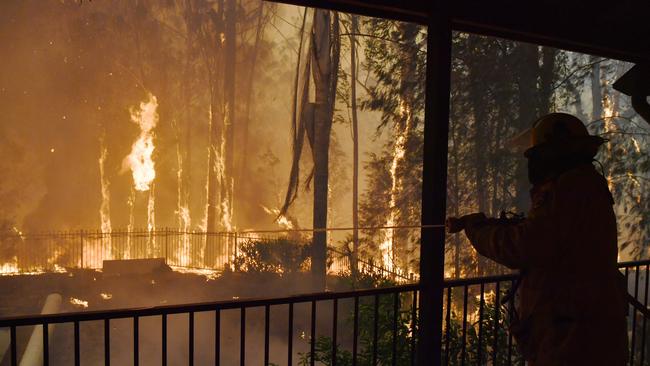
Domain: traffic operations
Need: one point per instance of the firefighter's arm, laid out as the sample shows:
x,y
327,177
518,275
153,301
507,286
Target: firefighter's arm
x,y
536,240
515,245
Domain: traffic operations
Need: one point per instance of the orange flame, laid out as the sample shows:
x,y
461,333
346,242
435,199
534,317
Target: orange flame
x,y
140,159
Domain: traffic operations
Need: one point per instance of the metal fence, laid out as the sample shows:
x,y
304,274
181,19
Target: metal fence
x,y
364,327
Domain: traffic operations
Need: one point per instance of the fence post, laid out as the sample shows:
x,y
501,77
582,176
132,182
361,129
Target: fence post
x,y
236,245
166,243
81,241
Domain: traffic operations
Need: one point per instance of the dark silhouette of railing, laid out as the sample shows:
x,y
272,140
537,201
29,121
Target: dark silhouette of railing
x,y
374,326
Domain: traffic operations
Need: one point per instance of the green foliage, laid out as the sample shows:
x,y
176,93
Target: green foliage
x,y
454,338
452,342
278,255
388,334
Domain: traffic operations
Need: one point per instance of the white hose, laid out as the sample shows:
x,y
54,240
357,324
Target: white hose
x,y
33,355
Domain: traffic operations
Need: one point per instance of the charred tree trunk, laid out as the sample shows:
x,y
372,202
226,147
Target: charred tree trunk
x,y
211,51
526,68
480,143
213,177
402,245
228,179
186,90
547,74
355,144
596,91
242,169
325,58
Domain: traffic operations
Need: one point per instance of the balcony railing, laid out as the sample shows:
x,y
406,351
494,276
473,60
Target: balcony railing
x,y
364,327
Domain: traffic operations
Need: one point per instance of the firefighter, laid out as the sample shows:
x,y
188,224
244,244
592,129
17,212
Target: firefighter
x,y
570,304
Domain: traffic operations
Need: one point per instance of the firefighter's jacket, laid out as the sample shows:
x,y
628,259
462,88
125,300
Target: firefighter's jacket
x,y
570,298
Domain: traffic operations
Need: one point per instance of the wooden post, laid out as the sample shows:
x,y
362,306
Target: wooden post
x,y
434,187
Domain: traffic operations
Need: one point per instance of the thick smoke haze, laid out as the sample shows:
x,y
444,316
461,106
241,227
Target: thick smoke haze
x,y
70,76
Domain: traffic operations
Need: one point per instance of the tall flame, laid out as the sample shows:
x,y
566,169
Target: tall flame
x,y
105,208
131,203
151,220
182,209
140,159
227,182
399,151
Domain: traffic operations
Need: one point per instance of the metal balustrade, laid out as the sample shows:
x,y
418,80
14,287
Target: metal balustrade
x,y
362,327
54,251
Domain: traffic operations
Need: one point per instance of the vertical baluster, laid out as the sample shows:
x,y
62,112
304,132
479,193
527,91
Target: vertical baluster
x,y
497,312
77,358
335,317
312,341
634,312
267,321
511,310
375,333
448,327
217,337
644,343
107,342
395,319
46,345
290,336
242,341
191,339
136,337
479,351
355,331
463,344
414,326
13,338
163,347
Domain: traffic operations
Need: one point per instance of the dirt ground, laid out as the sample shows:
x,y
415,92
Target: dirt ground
x,y
24,295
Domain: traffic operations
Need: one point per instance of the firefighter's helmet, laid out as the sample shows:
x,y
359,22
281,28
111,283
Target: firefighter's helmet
x,y
561,134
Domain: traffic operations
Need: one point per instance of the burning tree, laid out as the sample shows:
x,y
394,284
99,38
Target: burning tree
x,y
314,121
396,58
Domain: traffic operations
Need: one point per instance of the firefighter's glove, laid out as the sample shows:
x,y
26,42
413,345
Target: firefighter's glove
x,y
458,224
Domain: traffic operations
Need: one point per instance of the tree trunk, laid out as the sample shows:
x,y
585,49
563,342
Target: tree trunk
x,y
324,72
526,68
355,144
546,79
242,169
480,137
228,179
186,90
213,178
211,53
596,90
400,246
